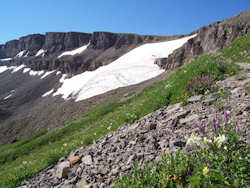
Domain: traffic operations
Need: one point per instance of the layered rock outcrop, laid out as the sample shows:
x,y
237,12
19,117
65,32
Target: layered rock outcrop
x,y
209,40
103,48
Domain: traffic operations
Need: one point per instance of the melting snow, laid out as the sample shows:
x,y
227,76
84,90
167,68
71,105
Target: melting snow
x,y
20,54
134,67
6,59
18,68
7,97
74,52
47,74
26,70
34,73
48,93
26,55
40,52
58,72
3,69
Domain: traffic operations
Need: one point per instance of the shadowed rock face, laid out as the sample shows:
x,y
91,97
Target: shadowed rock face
x,y
209,40
31,42
58,42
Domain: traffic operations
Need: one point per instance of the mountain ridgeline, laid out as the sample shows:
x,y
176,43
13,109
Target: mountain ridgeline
x,y
102,49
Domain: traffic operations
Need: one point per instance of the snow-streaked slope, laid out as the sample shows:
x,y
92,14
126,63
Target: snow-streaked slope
x,y
40,52
74,52
43,74
134,67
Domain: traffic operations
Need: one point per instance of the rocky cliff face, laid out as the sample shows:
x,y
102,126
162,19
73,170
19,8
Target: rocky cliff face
x,y
52,42
209,40
103,48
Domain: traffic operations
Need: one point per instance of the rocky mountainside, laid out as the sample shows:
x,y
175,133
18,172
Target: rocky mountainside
x,y
209,39
163,131
26,78
33,69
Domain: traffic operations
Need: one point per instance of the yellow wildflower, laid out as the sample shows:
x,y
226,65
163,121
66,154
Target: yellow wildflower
x,y
205,171
175,177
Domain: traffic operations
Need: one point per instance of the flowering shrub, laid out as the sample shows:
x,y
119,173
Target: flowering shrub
x,y
199,85
216,156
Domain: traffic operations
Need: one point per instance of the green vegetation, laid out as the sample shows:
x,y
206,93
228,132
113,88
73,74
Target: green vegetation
x,y
238,51
247,88
241,77
17,144
19,163
222,94
216,161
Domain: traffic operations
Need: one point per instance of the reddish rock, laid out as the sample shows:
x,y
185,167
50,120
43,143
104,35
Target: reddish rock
x,y
74,160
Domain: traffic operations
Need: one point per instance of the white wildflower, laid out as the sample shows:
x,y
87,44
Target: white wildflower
x,y
220,140
206,140
194,140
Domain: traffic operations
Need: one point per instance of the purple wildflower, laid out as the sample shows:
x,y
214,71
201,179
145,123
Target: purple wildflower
x,y
215,125
207,162
201,128
226,117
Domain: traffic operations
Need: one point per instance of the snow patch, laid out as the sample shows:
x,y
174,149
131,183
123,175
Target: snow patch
x,y
18,68
26,55
48,93
74,52
20,54
34,73
133,67
3,69
6,59
40,52
7,97
47,74
58,72
26,70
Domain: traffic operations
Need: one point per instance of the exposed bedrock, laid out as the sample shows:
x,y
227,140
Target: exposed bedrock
x,y
209,40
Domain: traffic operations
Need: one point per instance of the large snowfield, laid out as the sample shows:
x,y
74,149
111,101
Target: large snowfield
x,y
132,68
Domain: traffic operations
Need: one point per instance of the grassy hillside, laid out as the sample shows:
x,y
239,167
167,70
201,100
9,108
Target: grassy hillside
x,y
25,158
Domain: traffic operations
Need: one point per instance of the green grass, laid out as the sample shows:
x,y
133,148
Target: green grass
x,y
17,144
239,50
22,162
222,94
247,88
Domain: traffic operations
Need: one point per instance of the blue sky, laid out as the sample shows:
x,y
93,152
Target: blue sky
x,y
159,17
